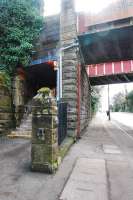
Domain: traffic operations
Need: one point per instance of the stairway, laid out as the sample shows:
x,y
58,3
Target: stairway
x,y
25,128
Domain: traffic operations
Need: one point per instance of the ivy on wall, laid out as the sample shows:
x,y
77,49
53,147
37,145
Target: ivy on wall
x,y
20,25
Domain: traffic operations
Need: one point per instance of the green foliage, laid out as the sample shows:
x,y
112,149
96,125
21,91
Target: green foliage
x,y
119,102
5,79
95,98
20,25
44,90
129,102
122,102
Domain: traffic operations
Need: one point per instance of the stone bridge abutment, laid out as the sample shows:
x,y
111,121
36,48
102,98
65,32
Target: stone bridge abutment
x,y
75,82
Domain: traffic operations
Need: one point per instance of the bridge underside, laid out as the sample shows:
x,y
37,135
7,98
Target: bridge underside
x,y
106,46
111,79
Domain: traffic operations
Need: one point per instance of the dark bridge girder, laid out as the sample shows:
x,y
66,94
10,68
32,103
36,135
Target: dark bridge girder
x,y
106,46
111,79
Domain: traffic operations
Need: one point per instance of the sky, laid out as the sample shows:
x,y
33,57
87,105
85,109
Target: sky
x,y
113,90
53,6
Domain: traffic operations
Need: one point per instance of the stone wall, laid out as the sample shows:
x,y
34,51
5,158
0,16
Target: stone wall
x,y
18,94
68,34
5,110
85,100
75,83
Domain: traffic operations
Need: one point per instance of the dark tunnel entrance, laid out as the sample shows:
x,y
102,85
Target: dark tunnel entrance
x,y
38,76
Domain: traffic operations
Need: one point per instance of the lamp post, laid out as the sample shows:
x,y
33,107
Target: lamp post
x,y
108,104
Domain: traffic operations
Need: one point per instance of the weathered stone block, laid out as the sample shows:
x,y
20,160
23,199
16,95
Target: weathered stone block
x,y
5,116
67,42
70,95
69,69
67,29
69,82
72,118
69,56
72,125
69,63
72,75
68,36
44,159
69,88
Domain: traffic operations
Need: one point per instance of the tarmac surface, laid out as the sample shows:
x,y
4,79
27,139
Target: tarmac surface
x,y
98,167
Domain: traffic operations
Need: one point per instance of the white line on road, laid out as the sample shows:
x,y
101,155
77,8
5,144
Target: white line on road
x,y
122,130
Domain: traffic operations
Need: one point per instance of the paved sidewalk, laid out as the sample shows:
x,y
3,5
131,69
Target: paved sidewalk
x,y
87,181
102,170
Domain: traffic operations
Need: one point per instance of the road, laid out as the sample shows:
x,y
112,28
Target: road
x,y
105,146
124,118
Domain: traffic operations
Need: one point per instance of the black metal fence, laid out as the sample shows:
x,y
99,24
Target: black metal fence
x,y
62,121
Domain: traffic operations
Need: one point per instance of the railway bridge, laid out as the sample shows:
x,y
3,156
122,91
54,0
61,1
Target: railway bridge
x,y
83,50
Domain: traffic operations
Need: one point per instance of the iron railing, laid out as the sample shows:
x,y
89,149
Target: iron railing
x,y
62,121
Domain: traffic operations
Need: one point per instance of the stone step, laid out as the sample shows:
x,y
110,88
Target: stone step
x,y
25,126
21,132
26,119
19,136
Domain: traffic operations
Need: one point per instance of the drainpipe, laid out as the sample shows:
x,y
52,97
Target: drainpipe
x,y
78,103
58,84
72,45
60,76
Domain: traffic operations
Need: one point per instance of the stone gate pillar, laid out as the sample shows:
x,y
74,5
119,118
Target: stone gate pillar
x,y
44,151
68,35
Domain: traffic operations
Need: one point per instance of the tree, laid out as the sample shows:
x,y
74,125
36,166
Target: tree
x,y
130,101
20,25
39,4
95,98
119,102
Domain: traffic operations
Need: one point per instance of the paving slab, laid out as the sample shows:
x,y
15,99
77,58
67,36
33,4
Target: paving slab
x,y
111,149
87,181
